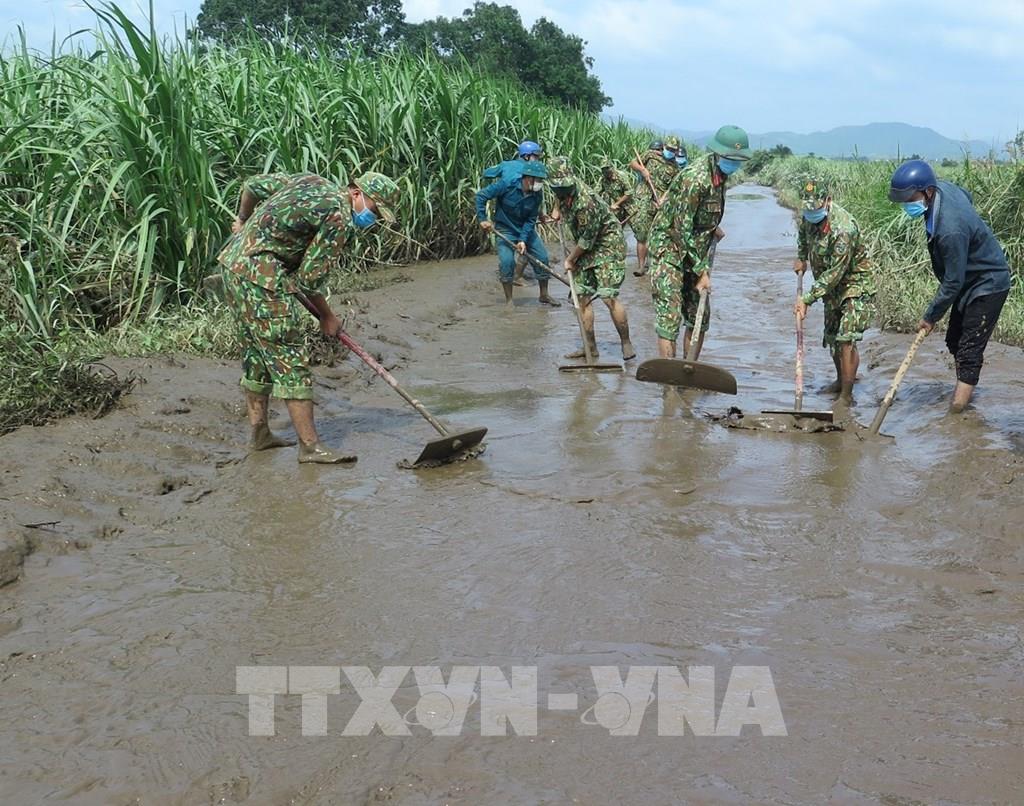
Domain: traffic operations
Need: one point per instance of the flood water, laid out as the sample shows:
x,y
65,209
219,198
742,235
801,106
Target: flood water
x,y
609,524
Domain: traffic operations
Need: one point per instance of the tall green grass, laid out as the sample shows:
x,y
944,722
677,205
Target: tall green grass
x,y
120,168
897,244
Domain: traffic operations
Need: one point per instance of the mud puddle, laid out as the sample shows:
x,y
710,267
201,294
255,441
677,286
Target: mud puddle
x,y
608,524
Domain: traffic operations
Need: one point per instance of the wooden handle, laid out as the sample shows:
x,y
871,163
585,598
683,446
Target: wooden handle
x,y
798,404
891,394
536,263
575,299
389,379
691,354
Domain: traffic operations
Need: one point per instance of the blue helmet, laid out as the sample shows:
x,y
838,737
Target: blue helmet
x,y
909,178
529,148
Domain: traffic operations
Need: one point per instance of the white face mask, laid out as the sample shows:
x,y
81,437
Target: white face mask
x,y
534,185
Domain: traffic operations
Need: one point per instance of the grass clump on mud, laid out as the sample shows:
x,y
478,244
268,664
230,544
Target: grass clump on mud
x,y
897,244
40,382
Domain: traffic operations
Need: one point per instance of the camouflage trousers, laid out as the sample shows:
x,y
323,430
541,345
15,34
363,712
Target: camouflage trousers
x,y
675,300
602,281
643,211
847,319
275,358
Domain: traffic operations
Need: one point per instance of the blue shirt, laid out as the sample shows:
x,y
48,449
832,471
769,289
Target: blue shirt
x,y
966,257
515,212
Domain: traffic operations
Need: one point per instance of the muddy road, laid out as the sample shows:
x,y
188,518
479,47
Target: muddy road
x,y
609,523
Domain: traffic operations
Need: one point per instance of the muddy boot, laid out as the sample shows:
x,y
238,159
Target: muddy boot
x,y
264,439
628,351
507,288
833,388
320,454
545,298
517,276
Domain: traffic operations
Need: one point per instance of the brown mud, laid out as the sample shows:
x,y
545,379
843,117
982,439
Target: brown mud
x,y
608,523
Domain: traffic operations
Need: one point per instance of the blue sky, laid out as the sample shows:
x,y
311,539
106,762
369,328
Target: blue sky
x,y
798,65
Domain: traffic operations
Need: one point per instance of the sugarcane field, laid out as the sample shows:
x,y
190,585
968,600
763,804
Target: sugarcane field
x,y
417,403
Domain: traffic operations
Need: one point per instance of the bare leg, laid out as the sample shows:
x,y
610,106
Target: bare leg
x,y
666,348
849,361
641,259
311,450
262,438
836,387
587,315
621,322
961,397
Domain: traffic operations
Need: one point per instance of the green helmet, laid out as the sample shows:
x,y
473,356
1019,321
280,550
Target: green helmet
x,y
535,169
561,175
672,142
656,145
731,142
382,190
813,192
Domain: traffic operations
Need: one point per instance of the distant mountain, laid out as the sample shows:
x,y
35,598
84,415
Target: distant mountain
x,y
874,140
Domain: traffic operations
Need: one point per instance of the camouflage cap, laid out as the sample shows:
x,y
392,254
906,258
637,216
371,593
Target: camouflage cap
x,y
560,173
672,142
382,190
813,192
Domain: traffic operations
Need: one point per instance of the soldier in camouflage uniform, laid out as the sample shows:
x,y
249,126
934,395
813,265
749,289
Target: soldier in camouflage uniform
x,y
829,240
656,170
681,237
598,258
616,189
290,232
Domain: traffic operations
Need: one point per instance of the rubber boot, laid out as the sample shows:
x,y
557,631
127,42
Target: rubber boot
x,y
545,297
264,439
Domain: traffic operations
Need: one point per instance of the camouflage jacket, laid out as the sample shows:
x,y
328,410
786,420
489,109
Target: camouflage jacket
x,y
839,260
295,236
685,224
595,229
662,173
611,190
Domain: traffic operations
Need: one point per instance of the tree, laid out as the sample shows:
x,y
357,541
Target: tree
x,y
493,38
370,26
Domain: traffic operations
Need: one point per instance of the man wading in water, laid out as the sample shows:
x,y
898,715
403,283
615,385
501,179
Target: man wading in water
x,y
681,238
969,263
598,258
290,243
517,203
828,239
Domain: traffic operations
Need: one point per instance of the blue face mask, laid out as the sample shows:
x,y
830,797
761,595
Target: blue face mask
x,y
815,216
681,161
669,155
728,166
915,209
364,219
